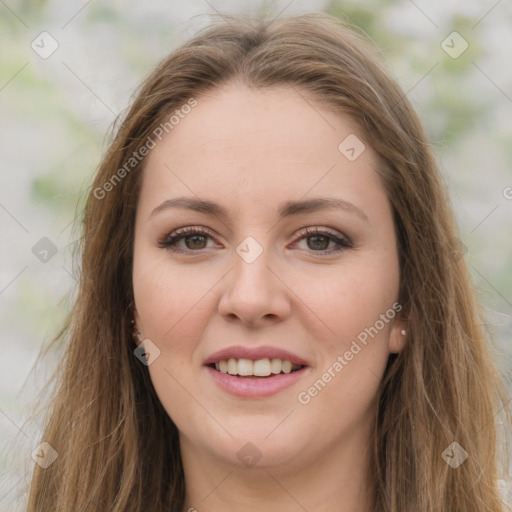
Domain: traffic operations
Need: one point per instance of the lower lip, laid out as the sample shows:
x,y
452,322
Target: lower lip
x,y
247,387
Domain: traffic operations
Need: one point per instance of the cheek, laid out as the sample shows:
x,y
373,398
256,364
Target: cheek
x,y
354,358
170,301
351,299
358,305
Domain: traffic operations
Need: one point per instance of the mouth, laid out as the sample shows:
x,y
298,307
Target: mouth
x,y
255,369
255,372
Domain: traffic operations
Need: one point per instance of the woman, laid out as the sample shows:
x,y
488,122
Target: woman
x,y
272,311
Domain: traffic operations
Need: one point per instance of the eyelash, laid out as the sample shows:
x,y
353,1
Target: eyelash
x,y
173,238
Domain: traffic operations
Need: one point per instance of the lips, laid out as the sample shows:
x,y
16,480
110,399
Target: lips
x,y
242,384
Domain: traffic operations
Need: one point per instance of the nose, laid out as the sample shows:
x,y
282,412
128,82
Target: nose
x,y
254,293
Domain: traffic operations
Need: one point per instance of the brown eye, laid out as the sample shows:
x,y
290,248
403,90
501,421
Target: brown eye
x,y
318,240
194,239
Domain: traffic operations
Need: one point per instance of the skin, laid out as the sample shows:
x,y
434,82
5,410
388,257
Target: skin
x,y
248,150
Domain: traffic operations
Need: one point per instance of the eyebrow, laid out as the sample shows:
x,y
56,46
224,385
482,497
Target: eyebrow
x,y
286,209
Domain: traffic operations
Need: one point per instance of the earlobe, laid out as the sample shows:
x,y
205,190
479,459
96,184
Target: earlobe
x,y
399,336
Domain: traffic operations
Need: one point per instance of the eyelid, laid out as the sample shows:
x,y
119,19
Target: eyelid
x,y
183,232
191,229
312,230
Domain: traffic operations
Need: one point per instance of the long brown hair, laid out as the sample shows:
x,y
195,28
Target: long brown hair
x,y
118,449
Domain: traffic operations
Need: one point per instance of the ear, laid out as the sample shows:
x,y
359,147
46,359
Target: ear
x,y
399,335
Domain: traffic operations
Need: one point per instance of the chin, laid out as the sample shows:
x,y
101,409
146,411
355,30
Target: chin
x,y
261,454
257,445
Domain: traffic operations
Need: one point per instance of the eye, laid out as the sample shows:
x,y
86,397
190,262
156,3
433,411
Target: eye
x,y
195,238
318,240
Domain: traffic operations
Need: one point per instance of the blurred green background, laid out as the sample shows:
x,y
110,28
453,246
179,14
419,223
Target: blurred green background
x,y
57,109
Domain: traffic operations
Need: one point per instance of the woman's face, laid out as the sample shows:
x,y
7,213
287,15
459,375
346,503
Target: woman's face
x,y
276,274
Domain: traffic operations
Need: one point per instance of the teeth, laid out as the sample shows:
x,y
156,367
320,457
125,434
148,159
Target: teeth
x,y
245,367
258,368
286,366
275,366
233,367
262,368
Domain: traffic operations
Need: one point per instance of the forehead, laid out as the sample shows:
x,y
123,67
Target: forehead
x,y
244,145
266,123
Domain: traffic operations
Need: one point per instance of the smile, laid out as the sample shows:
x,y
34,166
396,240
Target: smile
x,y
255,372
252,385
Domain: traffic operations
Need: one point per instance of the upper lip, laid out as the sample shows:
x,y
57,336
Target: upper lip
x,y
255,353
